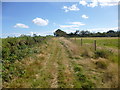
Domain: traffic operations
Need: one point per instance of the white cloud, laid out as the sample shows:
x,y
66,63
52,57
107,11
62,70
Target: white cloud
x,y
93,4
4,35
68,26
82,2
40,33
20,25
84,16
40,21
77,23
72,25
102,29
69,30
71,8
102,3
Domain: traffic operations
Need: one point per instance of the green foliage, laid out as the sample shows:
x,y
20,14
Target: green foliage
x,y
77,68
60,33
101,53
16,49
84,81
85,33
106,54
11,70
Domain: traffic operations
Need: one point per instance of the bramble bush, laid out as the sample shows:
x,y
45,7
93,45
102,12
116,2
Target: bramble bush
x,y
16,48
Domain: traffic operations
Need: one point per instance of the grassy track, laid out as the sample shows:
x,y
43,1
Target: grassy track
x,y
62,63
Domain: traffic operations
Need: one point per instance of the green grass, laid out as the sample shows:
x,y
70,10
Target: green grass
x,y
107,47
82,79
101,41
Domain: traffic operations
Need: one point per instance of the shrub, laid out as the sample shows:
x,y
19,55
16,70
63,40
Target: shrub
x,y
106,54
101,64
15,49
77,68
85,82
102,53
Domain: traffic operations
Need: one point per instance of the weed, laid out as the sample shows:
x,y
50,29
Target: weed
x,y
85,82
106,54
101,64
77,68
82,79
102,54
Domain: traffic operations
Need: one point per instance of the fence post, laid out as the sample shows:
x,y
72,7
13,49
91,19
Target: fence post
x,y
95,45
81,41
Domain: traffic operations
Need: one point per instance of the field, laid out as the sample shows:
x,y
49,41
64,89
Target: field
x,y
101,41
60,62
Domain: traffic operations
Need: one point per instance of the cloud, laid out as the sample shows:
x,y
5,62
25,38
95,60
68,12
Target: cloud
x,y
4,35
69,30
68,26
77,23
71,8
84,16
72,25
102,3
82,2
102,29
93,4
20,25
40,33
40,21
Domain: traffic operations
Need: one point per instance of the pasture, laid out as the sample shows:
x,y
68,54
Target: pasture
x,y
101,41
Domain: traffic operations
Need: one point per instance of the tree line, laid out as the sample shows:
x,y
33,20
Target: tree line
x,y
85,33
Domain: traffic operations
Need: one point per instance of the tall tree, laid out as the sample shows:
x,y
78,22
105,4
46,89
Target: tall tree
x,y
60,33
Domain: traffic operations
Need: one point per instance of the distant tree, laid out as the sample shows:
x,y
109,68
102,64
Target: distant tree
x,y
60,33
84,33
76,32
118,33
71,34
34,35
110,31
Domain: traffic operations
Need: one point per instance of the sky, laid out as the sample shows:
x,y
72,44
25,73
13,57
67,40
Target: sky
x,y
43,18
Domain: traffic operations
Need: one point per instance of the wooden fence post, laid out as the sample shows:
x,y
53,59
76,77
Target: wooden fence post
x,y
95,45
81,41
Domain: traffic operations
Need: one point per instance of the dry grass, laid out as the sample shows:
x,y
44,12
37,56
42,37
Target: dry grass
x,y
110,77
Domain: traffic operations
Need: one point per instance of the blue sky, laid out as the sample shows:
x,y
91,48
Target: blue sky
x,y
43,18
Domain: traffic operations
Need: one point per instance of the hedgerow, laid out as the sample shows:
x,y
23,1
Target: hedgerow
x,y
16,48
